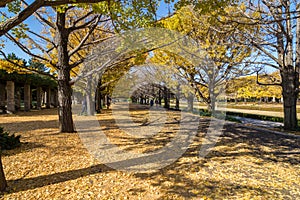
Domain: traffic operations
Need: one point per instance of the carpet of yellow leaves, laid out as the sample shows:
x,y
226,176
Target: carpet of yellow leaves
x,y
245,164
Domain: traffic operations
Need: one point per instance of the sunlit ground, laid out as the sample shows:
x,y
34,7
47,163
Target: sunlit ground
x,y
245,164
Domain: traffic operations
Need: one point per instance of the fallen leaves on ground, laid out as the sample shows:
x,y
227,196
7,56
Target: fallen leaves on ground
x,y
245,164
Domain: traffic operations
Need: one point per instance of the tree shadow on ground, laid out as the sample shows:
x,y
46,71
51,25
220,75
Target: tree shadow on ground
x,y
25,146
178,180
24,184
236,143
178,186
173,180
23,126
42,112
144,144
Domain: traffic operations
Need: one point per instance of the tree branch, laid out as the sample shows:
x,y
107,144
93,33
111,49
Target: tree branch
x,y
25,68
82,18
26,50
91,29
4,2
266,84
62,2
20,17
267,53
28,11
42,19
42,37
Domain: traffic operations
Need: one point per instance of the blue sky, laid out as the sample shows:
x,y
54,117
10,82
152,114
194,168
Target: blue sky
x,y
34,25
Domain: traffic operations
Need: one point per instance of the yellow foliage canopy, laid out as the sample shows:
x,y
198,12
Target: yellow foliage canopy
x,y
13,66
247,87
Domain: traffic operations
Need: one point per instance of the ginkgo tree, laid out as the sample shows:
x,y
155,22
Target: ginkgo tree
x,y
278,44
214,57
57,53
12,66
64,24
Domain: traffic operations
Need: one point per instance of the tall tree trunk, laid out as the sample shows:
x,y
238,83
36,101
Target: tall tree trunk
x,y
65,102
3,182
98,100
64,88
177,96
212,103
89,97
190,101
159,96
289,75
290,84
177,102
98,97
166,97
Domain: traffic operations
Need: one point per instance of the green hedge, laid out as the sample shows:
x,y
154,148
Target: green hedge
x,y
229,116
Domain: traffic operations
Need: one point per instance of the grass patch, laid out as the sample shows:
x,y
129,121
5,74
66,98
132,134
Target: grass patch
x,y
218,115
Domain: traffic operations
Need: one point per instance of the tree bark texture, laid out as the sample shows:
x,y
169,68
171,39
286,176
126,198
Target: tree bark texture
x,y
3,183
64,88
290,85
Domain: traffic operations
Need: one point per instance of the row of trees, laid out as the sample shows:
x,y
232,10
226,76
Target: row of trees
x,y
68,34
215,56
238,39
229,33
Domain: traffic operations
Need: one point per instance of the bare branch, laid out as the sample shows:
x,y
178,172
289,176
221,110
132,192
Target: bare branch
x,y
42,19
25,68
82,26
96,41
26,50
82,18
19,18
28,11
91,29
62,2
75,64
41,37
267,53
266,84
40,48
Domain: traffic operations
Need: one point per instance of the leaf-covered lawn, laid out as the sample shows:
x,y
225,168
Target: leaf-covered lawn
x,y
245,164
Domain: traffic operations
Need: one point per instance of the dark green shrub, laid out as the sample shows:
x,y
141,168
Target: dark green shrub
x,y
8,141
204,113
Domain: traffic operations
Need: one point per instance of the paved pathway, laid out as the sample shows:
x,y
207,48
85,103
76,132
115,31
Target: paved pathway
x,y
257,112
256,123
261,123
